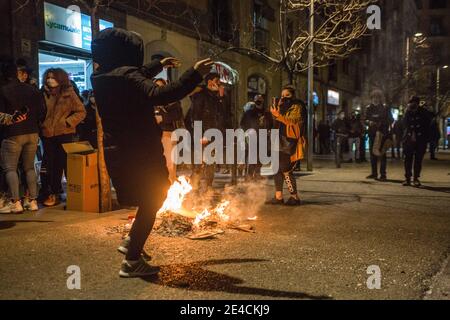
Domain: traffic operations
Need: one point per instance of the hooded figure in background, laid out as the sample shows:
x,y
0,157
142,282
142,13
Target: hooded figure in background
x,y
126,96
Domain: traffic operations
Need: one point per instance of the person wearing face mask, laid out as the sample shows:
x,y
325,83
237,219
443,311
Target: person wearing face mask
x,y
341,128
417,124
289,116
64,112
20,140
379,119
126,97
254,119
355,132
207,107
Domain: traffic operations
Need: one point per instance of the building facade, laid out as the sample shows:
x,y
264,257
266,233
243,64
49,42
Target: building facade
x,y
46,34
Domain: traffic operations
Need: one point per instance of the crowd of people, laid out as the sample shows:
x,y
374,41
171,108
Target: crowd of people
x,y
138,128
407,137
36,122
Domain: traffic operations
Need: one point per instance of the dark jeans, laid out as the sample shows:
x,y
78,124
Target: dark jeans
x,y
54,163
284,174
414,153
205,171
324,145
433,147
374,160
362,148
142,181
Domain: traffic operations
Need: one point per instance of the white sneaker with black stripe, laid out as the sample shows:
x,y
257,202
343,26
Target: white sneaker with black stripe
x,y
137,269
123,249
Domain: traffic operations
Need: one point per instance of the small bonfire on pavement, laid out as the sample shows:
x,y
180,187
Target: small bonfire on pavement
x,y
196,223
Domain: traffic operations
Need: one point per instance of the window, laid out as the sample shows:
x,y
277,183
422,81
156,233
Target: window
x,y
438,4
221,19
333,72
437,27
345,66
261,35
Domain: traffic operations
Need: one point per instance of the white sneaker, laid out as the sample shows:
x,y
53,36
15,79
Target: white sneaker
x,y
12,207
3,202
30,205
16,207
5,207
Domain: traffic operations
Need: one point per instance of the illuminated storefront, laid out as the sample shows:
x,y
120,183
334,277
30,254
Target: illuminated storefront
x,y
67,43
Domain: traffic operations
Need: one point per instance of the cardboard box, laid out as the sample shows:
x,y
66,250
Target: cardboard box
x,y
82,177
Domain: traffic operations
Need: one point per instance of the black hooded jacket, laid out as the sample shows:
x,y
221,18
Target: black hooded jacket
x,y
126,97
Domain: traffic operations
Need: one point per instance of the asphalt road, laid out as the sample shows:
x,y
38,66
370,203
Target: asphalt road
x,y
320,250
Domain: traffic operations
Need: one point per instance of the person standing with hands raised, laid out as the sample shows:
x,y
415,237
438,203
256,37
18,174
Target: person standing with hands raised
x,y
126,96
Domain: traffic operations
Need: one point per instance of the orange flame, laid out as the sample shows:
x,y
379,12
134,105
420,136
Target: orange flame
x,y
175,198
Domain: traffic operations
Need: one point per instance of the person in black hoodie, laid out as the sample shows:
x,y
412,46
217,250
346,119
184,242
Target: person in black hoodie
x,y
417,124
126,96
21,139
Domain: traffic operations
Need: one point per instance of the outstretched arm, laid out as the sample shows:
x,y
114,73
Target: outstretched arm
x,y
174,91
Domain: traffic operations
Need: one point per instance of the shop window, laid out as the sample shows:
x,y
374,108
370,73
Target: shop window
x,y
78,69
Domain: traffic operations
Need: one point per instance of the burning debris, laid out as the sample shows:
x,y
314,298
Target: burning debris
x,y
174,220
180,217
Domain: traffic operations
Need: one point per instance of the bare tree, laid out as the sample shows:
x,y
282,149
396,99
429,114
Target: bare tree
x,y
331,30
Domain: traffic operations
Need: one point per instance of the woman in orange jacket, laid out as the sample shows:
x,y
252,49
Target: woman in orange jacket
x,y
290,119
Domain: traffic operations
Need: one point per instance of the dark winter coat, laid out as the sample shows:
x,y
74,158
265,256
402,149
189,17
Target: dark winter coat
x,y
356,128
379,118
417,126
209,107
14,96
126,98
253,118
341,126
172,116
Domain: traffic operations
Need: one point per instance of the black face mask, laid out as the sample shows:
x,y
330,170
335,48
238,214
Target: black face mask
x,y
287,100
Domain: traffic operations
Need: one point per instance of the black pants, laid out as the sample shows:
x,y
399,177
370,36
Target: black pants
x,y
362,148
374,160
433,147
324,145
139,180
414,153
284,174
54,163
205,171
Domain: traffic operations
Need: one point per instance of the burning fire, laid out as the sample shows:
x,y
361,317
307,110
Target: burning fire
x,y
176,196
